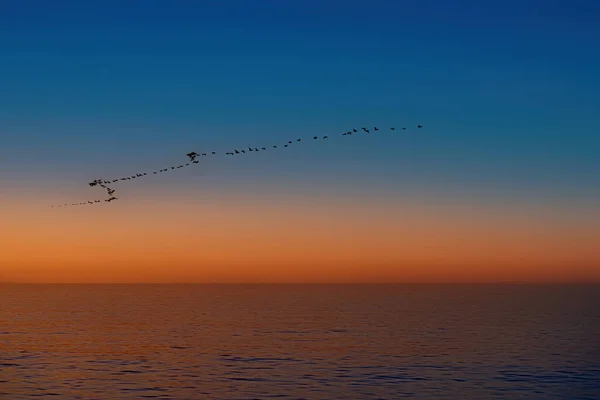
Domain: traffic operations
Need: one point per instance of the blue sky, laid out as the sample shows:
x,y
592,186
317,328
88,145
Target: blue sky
x,y
508,92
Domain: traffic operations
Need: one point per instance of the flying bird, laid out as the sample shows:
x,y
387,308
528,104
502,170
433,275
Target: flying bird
x,y
192,155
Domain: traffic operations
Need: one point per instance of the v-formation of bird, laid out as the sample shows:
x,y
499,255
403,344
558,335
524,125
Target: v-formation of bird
x,y
193,160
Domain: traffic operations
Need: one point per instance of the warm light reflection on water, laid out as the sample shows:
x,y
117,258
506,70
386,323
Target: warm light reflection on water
x,y
299,341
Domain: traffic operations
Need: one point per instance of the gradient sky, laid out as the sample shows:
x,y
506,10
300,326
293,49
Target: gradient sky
x,y
502,184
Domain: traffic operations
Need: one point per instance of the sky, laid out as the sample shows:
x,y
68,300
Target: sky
x,y
501,184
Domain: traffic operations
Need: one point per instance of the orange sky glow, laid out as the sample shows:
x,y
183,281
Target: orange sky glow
x,y
232,238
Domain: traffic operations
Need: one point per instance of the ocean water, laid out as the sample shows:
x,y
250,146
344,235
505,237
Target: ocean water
x,y
300,341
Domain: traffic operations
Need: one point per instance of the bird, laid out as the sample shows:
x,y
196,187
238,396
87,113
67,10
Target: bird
x,y
325,137
403,129
392,129
237,152
286,145
243,151
192,155
419,126
274,147
315,137
250,149
297,140
214,152
264,148
354,130
375,128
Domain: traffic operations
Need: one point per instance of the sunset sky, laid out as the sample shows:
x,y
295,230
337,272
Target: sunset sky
x,y
501,184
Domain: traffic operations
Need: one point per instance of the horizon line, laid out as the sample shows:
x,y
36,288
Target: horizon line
x,y
532,283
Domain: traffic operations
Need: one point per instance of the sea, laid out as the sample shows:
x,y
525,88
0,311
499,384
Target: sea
x,y
413,341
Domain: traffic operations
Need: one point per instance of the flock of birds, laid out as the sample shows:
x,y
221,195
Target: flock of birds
x,y
193,159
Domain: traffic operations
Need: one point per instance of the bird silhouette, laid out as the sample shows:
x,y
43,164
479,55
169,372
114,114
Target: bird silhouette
x,y
192,160
192,155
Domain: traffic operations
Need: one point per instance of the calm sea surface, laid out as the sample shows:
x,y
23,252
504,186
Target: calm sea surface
x,y
295,341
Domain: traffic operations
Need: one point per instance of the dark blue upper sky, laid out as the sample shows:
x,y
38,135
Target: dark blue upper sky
x,y
509,91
